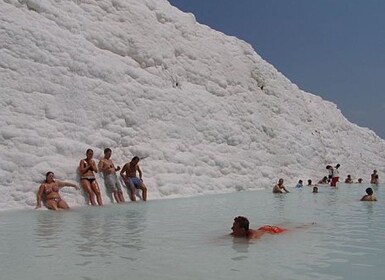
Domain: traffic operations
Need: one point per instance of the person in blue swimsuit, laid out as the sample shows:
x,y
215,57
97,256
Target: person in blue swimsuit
x,y
132,182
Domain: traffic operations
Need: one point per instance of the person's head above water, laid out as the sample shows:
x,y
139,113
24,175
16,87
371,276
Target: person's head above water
x,y
369,191
240,226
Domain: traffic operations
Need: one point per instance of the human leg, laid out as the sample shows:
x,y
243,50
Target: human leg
x,y
51,204
86,185
121,197
144,191
62,204
131,190
95,189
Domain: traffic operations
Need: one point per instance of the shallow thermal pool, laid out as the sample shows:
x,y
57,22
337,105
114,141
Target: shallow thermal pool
x,y
188,238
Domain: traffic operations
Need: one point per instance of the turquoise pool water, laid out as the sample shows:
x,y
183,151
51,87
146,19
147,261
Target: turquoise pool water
x,y
188,238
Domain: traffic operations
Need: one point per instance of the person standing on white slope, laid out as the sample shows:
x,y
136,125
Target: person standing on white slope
x,y
107,167
132,182
87,167
335,176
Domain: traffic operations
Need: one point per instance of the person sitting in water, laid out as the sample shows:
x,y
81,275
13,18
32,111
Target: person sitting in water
x,y
132,182
315,189
374,178
280,188
349,180
324,180
49,193
310,183
87,167
359,181
300,184
369,195
241,228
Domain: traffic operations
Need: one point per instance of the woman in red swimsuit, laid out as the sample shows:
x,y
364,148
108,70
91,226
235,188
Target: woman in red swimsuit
x,y
49,193
241,228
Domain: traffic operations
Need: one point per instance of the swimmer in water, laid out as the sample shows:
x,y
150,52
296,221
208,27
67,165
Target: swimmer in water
x,y
369,195
241,228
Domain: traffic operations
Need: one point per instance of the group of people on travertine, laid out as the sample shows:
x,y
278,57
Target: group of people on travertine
x,y
332,179
48,192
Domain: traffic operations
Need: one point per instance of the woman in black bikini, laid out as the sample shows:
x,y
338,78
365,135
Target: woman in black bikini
x,y
87,167
49,192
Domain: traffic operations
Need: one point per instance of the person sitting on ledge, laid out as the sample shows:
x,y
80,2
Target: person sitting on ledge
x,y
369,195
241,228
49,193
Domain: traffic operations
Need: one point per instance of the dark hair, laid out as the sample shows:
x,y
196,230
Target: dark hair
x,y
46,175
89,150
243,222
135,158
338,165
369,191
106,150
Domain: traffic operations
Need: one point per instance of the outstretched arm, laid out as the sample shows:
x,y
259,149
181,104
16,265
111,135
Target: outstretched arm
x,y
67,184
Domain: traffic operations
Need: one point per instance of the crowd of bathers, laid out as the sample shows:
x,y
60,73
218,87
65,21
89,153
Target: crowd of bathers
x,y
48,193
332,179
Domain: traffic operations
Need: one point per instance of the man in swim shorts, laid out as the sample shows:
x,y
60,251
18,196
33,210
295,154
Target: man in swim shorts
x,y
107,167
132,182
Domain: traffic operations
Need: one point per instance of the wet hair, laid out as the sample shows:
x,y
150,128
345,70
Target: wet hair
x,y
47,174
106,150
315,189
135,158
369,191
243,222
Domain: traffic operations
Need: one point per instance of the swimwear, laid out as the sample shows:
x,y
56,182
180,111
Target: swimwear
x,y
56,199
89,179
272,229
111,182
55,188
136,182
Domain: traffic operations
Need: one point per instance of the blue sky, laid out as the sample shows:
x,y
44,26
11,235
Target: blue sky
x,y
331,48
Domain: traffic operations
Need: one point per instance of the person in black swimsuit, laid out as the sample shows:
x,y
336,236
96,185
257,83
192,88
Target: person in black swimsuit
x,y
87,167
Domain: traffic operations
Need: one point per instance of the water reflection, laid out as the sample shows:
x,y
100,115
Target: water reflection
x,y
105,234
48,229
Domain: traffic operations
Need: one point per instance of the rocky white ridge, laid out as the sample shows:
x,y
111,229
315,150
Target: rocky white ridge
x,y
203,109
